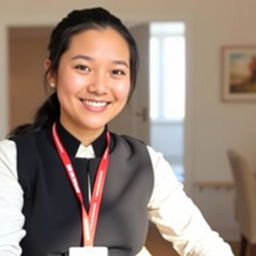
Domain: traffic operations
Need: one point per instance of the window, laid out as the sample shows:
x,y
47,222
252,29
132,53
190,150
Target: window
x,y
167,91
167,71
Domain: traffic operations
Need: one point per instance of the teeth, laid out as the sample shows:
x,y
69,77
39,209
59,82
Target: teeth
x,y
95,103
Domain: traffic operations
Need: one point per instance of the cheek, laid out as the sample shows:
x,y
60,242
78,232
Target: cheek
x,y
122,90
70,83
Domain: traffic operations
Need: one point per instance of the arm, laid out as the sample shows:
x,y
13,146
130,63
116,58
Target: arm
x,y
177,217
11,202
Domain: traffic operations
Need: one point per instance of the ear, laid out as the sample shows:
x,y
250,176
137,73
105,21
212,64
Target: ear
x,y
47,64
51,79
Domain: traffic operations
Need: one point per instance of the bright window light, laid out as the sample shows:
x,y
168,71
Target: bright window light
x,y
167,71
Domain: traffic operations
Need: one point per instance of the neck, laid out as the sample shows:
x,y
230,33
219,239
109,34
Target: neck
x,y
85,136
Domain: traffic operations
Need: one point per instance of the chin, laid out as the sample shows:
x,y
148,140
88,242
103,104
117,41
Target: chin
x,y
95,127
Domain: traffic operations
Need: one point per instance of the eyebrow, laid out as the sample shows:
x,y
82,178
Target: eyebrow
x,y
80,56
86,57
121,62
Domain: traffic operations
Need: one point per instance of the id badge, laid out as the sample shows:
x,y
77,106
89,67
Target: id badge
x,y
88,251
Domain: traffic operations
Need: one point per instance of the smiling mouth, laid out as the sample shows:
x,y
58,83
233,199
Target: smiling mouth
x,y
95,104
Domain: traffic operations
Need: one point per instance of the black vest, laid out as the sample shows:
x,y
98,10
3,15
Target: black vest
x,y
52,211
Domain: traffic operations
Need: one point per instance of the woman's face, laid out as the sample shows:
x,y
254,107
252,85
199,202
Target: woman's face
x,y
93,80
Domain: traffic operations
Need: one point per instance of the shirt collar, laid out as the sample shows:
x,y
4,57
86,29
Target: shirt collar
x,y
75,148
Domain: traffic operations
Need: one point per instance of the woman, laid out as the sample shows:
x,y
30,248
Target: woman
x,y
70,187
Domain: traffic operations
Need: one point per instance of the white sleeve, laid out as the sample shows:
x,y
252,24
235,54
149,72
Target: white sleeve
x,y
178,218
11,201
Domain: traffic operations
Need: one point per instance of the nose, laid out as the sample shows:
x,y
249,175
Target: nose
x,y
98,84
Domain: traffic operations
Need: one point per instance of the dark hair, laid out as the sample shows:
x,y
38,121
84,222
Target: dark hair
x,y
74,23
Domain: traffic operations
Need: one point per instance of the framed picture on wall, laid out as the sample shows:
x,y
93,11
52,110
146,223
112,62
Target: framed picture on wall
x,y
239,73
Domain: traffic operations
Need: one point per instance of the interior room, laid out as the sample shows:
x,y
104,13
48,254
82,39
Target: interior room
x,y
212,124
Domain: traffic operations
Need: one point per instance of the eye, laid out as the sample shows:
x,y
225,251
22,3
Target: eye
x,y
83,68
118,72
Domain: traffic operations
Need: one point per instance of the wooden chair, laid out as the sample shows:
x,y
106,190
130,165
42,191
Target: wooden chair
x,y
245,187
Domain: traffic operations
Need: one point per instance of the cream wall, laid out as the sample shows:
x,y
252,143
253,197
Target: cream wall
x,y
211,126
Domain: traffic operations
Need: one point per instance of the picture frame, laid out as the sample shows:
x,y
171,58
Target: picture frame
x,y
239,73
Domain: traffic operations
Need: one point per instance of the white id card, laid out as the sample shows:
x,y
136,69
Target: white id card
x,y
88,251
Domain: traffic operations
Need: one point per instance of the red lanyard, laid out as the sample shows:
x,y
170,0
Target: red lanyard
x,y
89,221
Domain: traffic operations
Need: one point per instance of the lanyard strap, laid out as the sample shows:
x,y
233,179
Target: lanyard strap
x,y
89,221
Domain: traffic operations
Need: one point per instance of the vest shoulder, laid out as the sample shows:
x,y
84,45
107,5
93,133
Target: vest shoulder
x,y
130,146
129,139
27,144
28,137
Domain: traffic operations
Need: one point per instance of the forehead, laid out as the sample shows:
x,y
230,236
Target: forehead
x,y
99,40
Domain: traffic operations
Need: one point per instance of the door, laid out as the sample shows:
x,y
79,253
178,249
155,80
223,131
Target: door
x,y
26,89
134,119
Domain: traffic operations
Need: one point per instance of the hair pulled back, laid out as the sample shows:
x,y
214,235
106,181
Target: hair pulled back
x,y
75,22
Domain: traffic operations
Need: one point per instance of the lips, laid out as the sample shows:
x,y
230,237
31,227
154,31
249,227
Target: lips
x,y
94,104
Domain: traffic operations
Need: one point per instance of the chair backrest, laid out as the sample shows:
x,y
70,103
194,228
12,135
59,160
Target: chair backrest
x,y
245,185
